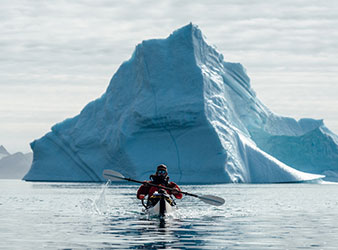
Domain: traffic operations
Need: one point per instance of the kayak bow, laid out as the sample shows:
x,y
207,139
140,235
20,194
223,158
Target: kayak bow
x,y
160,204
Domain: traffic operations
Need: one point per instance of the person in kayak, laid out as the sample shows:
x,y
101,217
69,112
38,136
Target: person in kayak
x,y
159,178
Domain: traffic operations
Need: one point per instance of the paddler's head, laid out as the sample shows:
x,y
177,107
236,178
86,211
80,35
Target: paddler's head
x,y
162,171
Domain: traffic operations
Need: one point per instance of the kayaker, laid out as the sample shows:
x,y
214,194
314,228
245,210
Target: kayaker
x,y
159,178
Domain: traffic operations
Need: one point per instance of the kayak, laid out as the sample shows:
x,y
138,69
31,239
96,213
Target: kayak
x,y
160,204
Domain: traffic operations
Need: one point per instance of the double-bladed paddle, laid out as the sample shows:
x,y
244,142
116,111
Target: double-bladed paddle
x,y
210,199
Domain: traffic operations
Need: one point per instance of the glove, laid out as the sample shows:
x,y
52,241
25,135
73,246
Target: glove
x,y
141,196
174,191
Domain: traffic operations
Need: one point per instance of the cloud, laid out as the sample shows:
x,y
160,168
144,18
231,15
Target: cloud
x,y
48,33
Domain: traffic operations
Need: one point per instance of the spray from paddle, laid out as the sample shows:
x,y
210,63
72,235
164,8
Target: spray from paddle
x,y
97,205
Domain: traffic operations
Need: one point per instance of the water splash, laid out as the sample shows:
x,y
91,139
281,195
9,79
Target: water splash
x,y
100,202
98,205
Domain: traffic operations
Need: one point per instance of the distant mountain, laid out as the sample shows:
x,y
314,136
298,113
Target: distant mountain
x,y
3,152
14,166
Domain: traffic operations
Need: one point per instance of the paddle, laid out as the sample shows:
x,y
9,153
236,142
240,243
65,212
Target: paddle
x,y
210,199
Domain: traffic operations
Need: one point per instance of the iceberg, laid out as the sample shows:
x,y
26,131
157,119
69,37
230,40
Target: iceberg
x,y
176,101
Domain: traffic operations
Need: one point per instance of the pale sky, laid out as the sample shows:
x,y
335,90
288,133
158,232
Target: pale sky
x,y
56,56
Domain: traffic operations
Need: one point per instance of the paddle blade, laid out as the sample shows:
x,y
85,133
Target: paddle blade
x,y
212,200
112,175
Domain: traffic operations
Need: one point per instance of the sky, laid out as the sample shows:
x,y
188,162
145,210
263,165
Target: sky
x,y
56,56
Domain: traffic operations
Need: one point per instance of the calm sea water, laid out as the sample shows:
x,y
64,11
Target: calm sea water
x,y
96,216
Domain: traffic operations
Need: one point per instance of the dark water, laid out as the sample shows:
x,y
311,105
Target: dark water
x,y
92,216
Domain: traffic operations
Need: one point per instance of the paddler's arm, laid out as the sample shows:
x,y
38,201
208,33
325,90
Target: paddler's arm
x,y
142,191
176,194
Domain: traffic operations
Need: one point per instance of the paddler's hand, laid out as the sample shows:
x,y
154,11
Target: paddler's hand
x,y
141,196
174,191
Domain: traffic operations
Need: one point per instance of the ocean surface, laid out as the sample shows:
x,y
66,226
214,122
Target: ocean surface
x,y
39,215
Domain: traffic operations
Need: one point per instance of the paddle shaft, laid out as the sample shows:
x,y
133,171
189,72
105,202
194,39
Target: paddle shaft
x,y
210,199
154,185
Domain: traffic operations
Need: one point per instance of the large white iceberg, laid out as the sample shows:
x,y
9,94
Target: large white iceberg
x,y
177,102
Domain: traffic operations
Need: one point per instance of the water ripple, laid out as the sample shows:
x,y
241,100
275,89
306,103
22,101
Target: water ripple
x,y
94,216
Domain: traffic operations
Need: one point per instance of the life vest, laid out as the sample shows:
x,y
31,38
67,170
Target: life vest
x,y
149,190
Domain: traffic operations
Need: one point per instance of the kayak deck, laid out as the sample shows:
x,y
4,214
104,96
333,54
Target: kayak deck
x,y
161,205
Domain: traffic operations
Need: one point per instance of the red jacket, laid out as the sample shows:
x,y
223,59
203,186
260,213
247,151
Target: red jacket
x,y
149,190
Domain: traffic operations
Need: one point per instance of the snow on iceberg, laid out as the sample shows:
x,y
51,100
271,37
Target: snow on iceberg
x,y
176,101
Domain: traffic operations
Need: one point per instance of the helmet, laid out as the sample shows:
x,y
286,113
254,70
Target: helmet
x,y
162,166
162,170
